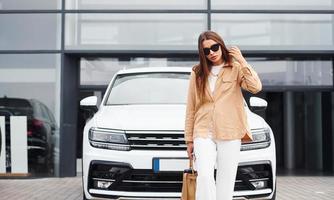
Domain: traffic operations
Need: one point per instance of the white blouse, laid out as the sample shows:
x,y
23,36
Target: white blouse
x,y
214,76
212,82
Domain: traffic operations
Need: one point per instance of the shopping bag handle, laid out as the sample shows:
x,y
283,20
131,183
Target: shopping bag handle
x,y
191,165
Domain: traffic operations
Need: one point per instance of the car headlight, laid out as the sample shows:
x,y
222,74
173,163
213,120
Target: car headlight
x,y
108,139
261,139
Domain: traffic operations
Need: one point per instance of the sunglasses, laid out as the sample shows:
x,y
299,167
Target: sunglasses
x,y
214,48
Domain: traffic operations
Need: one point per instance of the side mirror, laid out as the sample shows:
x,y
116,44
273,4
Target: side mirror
x,y
89,106
257,104
89,101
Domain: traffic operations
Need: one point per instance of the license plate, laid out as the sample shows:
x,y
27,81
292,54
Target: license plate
x,y
169,164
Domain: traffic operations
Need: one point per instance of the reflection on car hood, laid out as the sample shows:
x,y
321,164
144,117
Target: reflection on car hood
x,y
151,117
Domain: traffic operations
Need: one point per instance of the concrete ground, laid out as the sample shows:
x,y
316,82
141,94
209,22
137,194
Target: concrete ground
x,y
289,188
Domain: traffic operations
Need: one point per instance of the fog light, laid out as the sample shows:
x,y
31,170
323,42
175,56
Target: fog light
x,y
259,184
103,184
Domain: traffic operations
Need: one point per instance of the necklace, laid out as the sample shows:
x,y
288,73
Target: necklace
x,y
220,66
215,75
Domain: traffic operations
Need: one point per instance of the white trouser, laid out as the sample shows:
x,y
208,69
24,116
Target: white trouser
x,y
224,153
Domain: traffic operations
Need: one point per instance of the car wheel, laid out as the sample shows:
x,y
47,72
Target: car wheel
x,y
47,166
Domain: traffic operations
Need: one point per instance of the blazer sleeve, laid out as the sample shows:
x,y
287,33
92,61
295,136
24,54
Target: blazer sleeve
x,y
190,109
248,78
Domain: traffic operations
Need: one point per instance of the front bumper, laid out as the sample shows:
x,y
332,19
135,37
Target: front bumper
x,y
116,180
137,178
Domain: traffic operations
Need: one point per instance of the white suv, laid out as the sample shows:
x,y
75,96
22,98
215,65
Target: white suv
x,y
134,146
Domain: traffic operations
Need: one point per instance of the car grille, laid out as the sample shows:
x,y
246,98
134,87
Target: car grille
x,y
156,140
148,181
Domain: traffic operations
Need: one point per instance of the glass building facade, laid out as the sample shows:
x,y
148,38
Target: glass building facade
x,y
54,53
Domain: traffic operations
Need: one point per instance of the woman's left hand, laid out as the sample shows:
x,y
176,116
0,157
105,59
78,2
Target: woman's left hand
x,y
236,53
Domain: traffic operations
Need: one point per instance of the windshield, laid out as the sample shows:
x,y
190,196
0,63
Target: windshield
x,y
149,88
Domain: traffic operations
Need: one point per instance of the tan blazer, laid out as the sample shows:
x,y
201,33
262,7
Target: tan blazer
x,y
223,112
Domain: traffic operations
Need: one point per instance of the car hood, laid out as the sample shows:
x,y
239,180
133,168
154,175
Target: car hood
x,y
151,117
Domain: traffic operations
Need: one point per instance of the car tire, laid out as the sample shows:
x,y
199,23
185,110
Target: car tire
x,y
47,166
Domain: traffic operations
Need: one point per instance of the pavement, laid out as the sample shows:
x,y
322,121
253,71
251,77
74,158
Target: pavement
x,y
289,188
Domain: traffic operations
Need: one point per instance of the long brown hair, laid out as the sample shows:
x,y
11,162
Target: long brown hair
x,y
202,70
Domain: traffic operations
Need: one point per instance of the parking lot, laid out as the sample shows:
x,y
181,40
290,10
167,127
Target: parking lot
x,y
289,187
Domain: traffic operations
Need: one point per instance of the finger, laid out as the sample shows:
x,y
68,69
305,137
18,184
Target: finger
x,y
234,51
189,153
190,156
235,47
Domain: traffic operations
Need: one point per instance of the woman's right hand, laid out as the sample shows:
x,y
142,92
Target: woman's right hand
x,y
190,150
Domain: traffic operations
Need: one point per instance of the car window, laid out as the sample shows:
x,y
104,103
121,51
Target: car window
x,y
50,114
45,113
39,110
149,88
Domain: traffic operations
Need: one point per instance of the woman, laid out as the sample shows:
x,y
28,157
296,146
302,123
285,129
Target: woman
x,y
216,121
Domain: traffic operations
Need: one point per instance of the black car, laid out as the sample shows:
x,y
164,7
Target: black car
x,y
41,127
